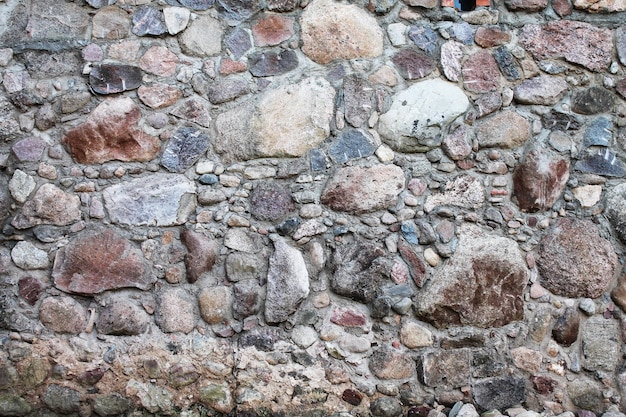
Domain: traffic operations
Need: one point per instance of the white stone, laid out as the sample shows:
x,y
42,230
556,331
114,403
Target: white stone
x,y
464,191
588,195
176,19
303,336
260,172
413,335
431,257
420,112
396,33
205,167
21,185
203,37
385,153
467,410
27,256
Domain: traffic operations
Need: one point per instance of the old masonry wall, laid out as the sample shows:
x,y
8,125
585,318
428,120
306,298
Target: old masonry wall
x,y
312,208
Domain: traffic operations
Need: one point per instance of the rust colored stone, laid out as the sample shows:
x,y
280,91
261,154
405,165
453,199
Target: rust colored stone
x,y
201,254
544,384
352,397
488,37
417,268
30,289
272,30
481,73
348,318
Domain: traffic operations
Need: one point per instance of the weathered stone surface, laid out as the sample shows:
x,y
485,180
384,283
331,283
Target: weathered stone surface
x,y
593,100
30,289
542,90
184,148
603,6
148,21
287,282
201,254
457,144
49,205
111,133
575,261
21,186
271,63
158,199
526,5
389,363
586,394
176,19
247,299
599,133
114,78
480,285
270,201
565,330
195,110
13,405
419,113
272,30
28,256
227,89
357,95
451,54
159,95
336,31
576,42
217,397
425,38
488,37
238,42
29,149
176,311
62,399
600,162
351,189
507,129
415,265
481,73
386,407
539,180
601,344
412,64
159,60
203,37
414,335
619,293
122,317
111,22
447,367
352,144
464,191
527,359
110,405
215,304
499,393
97,261
62,314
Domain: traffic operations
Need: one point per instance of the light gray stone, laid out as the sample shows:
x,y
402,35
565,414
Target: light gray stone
x,y
27,256
464,191
176,311
21,185
203,37
176,19
49,205
601,344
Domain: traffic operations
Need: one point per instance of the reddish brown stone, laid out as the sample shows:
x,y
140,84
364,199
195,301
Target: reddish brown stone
x,y
91,376
488,37
544,385
352,397
539,181
228,66
565,331
97,261
111,133
158,96
201,254
562,7
272,30
30,289
417,268
159,60
481,73
348,318
413,64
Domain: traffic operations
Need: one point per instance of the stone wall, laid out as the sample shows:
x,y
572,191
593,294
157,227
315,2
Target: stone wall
x,y
312,208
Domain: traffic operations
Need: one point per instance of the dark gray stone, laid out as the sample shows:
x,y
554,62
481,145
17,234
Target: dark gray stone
x,y
47,65
13,405
227,89
507,63
114,78
208,179
357,96
565,330
262,339
197,5
586,394
601,162
449,368
386,407
238,42
247,299
555,120
425,38
184,148
270,201
412,64
269,63
599,133
593,100
389,363
238,10
499,393
351,144
319,162
148,21
5,198
62,399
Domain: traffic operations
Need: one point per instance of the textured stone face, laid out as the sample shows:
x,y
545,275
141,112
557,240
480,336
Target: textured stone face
x,y
203,37
122,317
541,90
464,191
481,73
574,261
201,254
98,261
271,202
387,363
507,129
351,189
49,205
499,393
450,368
176,311
335,31
63,315
481,285
111,133
114,78
184,148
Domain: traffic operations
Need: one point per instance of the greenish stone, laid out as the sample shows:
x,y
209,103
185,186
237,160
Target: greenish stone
x,y
111,405
36,372
13,405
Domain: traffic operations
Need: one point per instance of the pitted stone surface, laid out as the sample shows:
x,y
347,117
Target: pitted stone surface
x,y
49,205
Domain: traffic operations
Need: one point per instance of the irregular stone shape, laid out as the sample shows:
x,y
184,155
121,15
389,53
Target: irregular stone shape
x,y
111,405
114,78
593,100
198,5
203,37
111,132
600,162
620,44
507,129
227,89
416,267
148,21
457,144
29,149
386,407
238,42
616,209
357,96
388,363
351,144
413,65
499,393
271,63
21,185
62,399
159,95
359,268
542,90
539,180
100,260
481,73
122,317
175,311
507,63
270,201
565,330
110,22
159,60
586,394
49,205
158,199
348,317
599,133
578,42
601,344
418,114
62,315
602,6
215,304
30,289
287,282
481,284
332,31
195,110
176,19
272,30
217,397
28,256
184,148
425,38
526,359
488,37
247,299
451,54
575,261
361,190
241,240
201,255
554,120
445,367
526,5
413,335
464,191
587,195
13,405
9,126
238,11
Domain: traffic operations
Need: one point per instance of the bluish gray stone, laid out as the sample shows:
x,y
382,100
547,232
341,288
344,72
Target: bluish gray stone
x,y
208,179
409,232
148,21
267,64
238,10
184,148
197,5
499,393
463,33
599,133
602,162
238,42
319,161
507,63
425,38
351,144
593,100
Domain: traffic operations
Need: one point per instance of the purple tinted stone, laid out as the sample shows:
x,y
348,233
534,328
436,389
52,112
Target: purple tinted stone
x,y
425,38
29,149
238,42
413,64
239,10
602,162
197,5
266,64
184,148
148,21
270,201
92,53
463,33
114,78
30,289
